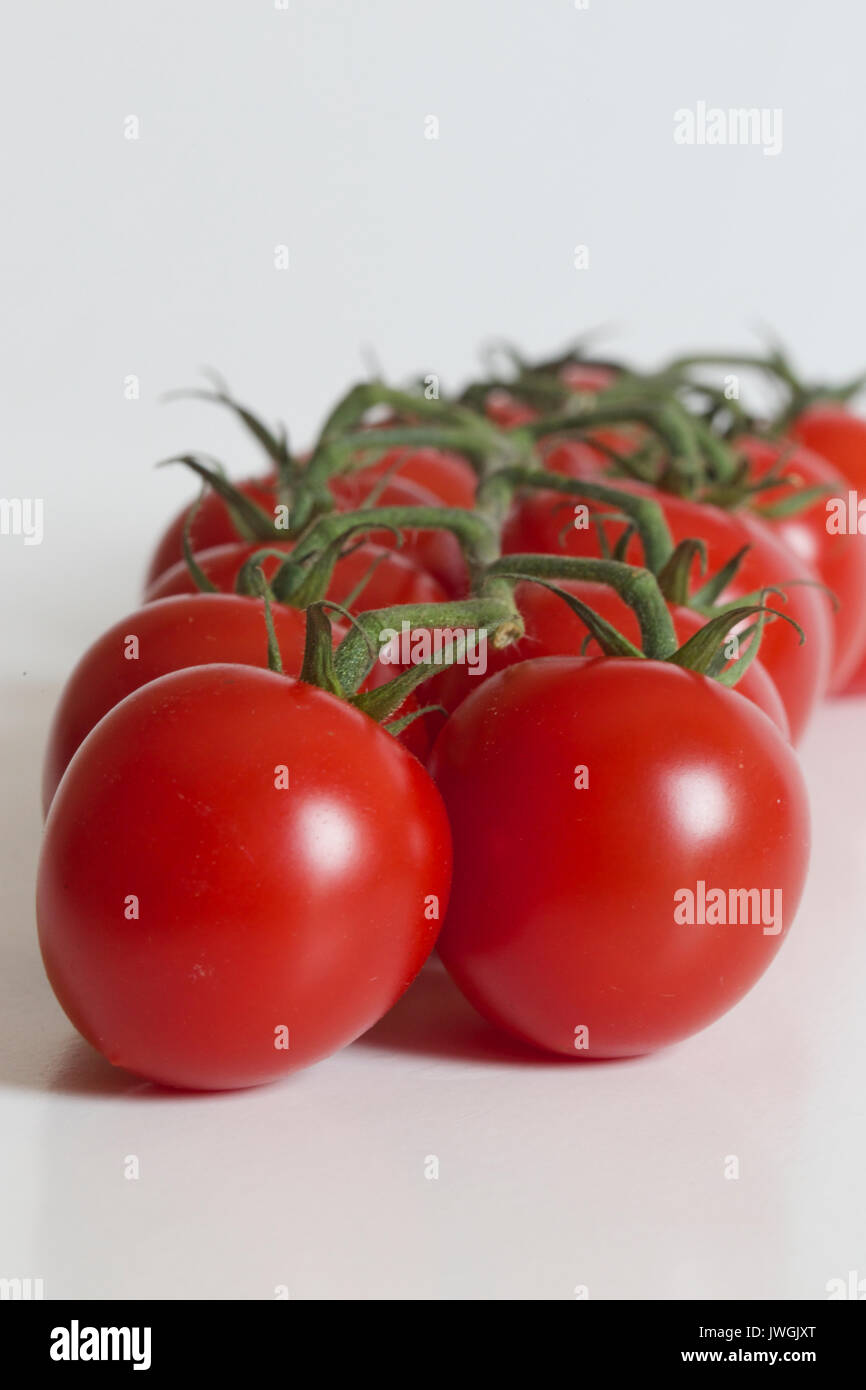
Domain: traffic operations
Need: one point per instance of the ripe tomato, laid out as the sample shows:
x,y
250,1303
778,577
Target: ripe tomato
x,y
586,377
840,438
161,637
582,378
839,561
445,475
392,579
169,635
208,926
436,551
562,915
506,410
211,525
540,522
553,629
577,458
417,736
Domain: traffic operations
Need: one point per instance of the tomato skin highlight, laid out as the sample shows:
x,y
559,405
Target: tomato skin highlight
x,y
259,908
540,522
552,629
562,905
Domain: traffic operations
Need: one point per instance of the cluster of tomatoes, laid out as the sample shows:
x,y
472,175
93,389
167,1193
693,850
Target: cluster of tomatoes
x,y
259,824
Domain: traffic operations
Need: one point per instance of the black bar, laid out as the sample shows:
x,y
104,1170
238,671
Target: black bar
x,y
225,1338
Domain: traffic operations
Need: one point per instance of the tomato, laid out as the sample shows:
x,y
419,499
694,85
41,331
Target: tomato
x,y
447,476
586,377
417,736
567,899
839,561
195,914
577,458
553,629
392,579
506,410
840,438
212,525
173,633
541,522
582,378
436,551
162,637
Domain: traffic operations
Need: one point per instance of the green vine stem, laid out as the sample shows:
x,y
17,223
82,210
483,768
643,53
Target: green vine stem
x,y
496,494
694,451
634,584
776,365
307,571
275,445
358,650
250,521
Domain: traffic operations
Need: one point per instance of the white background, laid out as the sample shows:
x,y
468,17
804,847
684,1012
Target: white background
x,y
260,127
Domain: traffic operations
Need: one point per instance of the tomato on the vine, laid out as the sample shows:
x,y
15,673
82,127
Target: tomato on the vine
x,y
586,377
544,521
251,893
450,482
437,552
379,577
164,636
445,475
554,629
591,800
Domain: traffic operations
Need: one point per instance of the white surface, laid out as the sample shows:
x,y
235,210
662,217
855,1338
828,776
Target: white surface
x,y
306,127
552,1175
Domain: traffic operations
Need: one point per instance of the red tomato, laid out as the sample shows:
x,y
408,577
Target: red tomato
x,y
446,476
162,637
212,525
507,411
417,736
840,438
392,579
436,551
195,915
567,900
169,635
540,522
583,378
577,458
586,377
839,561
553,629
